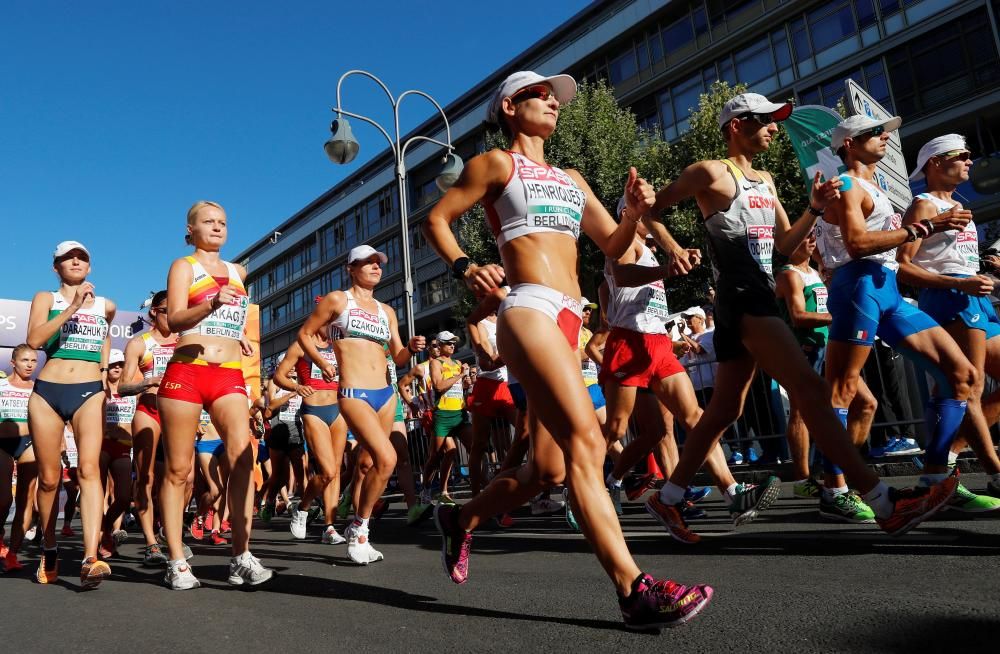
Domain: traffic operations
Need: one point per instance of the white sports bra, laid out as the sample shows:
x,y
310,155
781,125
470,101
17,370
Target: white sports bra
x,y
355,322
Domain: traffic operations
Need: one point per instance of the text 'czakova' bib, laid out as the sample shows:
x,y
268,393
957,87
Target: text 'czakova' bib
x,y
13,402
536,199
228,320
356,322
82,337
952,252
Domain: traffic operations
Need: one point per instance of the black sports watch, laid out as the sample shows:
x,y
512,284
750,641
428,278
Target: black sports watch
x,y
459,267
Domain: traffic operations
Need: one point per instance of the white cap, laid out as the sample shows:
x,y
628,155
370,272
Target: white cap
x,y
446,337
564,87
620,207
859,124
67,246
116,356
753,103
584,302
934,147
694,311
364,252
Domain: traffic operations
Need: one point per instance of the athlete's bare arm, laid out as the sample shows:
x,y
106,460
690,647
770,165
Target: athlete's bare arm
x,y
281,378
912,274
438,381
40,328
483,177
789,287
134,350
595,347
613,238
330,306
628,274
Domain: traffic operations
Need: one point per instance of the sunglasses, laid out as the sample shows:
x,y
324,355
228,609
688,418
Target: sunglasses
x,y
158,310
539,91
960,155
874,131
763,119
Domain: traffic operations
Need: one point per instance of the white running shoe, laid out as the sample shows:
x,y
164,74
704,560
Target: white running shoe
x,y
298,523
359,549
180,577
31,533
546,505
332,537
247,568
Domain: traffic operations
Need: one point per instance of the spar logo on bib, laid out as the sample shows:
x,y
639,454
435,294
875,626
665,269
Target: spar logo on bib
x,y
760,242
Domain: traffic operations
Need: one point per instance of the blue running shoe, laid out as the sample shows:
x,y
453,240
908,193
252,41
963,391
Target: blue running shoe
x,y
735,459
695,494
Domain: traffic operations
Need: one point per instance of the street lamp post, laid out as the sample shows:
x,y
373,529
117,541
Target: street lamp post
x,y
342,148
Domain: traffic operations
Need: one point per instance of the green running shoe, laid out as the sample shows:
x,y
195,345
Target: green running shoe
x,y
751,499
345,505
267,513
571,520
846,507
966,501
418,513
807,489
444,498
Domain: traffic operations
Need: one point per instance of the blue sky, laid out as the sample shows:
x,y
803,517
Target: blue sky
x,y
116,116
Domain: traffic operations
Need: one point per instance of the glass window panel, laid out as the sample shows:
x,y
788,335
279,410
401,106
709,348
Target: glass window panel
x,y
685,97
889,6
726,71
809,97
623,68
677,35
866,12
643,55
755,63
655,46
831,28
781,51
800,41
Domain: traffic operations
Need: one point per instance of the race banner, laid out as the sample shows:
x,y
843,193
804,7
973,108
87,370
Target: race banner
x,y
809,127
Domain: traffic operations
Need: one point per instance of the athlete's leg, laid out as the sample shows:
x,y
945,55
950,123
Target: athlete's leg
x,y
955,376
145,438
27,476
448,454
88,429
47,436
404,470
320,441
372,431
179,420
975,429
231,416
520,443
477,455
121,477
6,493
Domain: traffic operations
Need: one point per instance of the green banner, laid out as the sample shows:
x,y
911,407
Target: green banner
x,y
809,127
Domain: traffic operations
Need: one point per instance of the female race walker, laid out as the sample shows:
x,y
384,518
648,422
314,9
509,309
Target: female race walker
x,y
15,447
360,327
207,305
536,212
325,430
148,353
72,325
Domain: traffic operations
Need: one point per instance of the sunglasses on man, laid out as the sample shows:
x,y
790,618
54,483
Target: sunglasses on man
x,y
539,91
761,119
878,130
956,155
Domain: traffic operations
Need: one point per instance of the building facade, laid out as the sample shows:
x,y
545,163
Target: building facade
x,y
934,62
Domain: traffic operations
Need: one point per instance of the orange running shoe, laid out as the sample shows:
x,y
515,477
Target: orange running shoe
x,y
93,572
9,563
48,567
670,517
911,506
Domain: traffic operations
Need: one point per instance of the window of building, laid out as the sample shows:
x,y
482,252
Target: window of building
x,y
678,34
830,24
755,62
623,67
436,290
425,193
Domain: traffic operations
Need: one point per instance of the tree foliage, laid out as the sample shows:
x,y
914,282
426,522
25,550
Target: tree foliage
x,y
601,139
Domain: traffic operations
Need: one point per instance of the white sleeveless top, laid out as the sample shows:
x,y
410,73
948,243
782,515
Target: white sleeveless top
x,y
883,218
536,199
500,374
355,322
640,308
952,252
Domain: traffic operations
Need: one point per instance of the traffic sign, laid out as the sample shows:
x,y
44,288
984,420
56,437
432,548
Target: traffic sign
x,y
890,173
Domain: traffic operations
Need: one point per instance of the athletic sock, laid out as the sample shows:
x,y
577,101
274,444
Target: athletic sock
x,y
878,499
731,491
942,430
830,493
671,493
360,522
952,458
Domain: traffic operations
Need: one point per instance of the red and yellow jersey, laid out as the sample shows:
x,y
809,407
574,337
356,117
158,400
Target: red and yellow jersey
x,y
228,320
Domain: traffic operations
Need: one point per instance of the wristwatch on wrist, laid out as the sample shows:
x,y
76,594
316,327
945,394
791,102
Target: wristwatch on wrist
x,y
814,211
459,267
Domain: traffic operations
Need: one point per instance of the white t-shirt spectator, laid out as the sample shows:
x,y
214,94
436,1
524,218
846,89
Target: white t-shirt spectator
x,y
702,366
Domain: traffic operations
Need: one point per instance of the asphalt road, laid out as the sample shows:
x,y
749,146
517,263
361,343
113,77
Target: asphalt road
x,y
787,583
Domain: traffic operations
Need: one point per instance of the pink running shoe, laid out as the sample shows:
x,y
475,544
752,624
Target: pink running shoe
x,y
658,603
456,543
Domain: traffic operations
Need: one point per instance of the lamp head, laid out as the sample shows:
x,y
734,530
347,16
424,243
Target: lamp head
x,y
342,147
451,169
